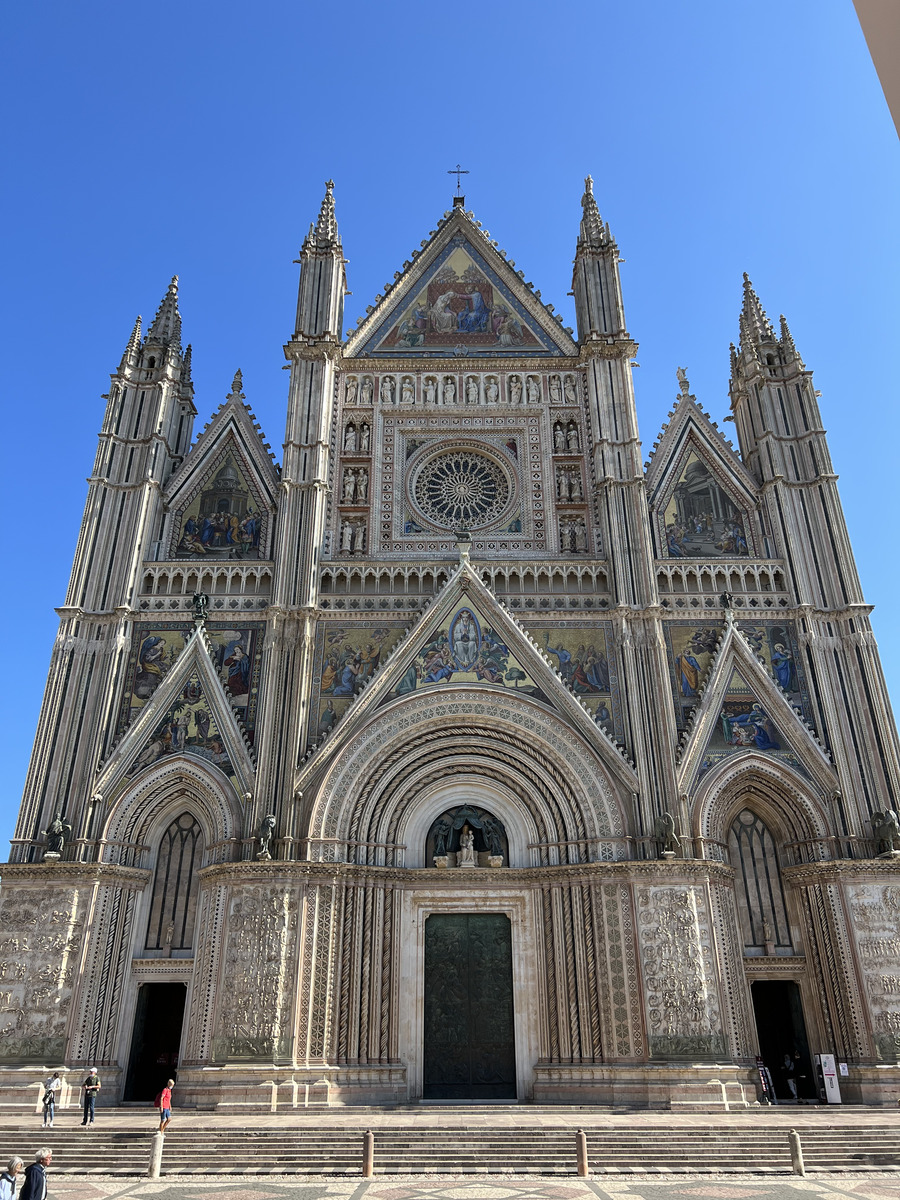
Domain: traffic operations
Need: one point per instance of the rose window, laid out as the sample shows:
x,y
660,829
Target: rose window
x,y
461,489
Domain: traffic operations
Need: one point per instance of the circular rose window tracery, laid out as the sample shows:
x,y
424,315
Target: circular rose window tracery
x,y
461,489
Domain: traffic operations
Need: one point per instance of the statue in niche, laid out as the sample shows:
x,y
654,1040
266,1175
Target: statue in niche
x,y
886,828
561,483
449,390
366,390
515,389
346,537
575,484
580,536
493,390
555,390
350,439
442,831
572,436
264,832
570,390
362,485
407,391
471,389
559,438
359,537
387,390
566,536
664,832
493,835
349,486
430,389
364,433
466,856
533,389
56,834
352,389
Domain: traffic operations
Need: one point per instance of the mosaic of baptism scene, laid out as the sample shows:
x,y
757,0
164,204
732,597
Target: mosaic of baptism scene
x,y
187,727
223,520
744,724
692,645
347,656
236,656
461,303
701,520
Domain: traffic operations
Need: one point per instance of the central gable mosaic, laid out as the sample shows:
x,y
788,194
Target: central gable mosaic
x,y
460,304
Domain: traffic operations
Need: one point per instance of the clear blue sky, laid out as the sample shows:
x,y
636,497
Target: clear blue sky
x,y
191,137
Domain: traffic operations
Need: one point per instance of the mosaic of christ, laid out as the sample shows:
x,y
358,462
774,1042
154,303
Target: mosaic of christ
x,y
459,306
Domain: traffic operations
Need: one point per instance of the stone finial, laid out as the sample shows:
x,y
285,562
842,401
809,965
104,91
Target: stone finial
x,y
237,384
593,232
683,382
326,229
755,325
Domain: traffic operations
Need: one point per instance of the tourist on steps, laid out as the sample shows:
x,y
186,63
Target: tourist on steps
x,y
90,1088
8,1179
51,1087
35,1185
164,1103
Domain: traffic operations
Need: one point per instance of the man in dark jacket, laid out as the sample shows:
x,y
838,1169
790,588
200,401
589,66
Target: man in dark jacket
x,y
35,1185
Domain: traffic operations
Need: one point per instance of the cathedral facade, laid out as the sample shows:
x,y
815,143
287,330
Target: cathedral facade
x,y
464,755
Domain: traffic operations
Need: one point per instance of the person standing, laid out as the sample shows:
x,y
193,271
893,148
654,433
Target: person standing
x,y
9,1179
52,1084
165,1105
35,1185
89,1089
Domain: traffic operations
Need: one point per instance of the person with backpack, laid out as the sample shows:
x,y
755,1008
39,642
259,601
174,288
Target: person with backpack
x,y
90,1088
164,1103
9,1179
51,1086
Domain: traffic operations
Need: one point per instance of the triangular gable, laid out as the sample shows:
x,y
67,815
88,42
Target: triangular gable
x,y
466,637
460,296
742,710
190,714
702,497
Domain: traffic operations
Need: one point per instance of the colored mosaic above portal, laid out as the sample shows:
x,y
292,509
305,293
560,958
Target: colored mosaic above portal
x,y
700,519
237,653
460,304
348,653
188,727
581,654
744,724
224,519
692,644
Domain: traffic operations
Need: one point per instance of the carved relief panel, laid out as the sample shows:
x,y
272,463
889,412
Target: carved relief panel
x,y
678,964
40,948
876,916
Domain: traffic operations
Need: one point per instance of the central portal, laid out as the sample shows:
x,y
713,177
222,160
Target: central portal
x,y
470,1051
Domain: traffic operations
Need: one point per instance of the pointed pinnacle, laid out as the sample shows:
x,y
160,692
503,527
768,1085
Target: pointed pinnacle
x,y
592,232
186,364
326,230
133,343
787,339
758,324
236,385
166,327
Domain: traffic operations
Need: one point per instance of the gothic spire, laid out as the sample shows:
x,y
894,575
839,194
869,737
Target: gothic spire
x,y
788,349
755,325
186,364
166,327
593,231
325,232
133,343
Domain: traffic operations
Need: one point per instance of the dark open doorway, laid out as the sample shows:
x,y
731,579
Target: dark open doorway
x,y
469,1040
782,1035
155,1040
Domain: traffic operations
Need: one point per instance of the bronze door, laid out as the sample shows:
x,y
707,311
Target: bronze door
x,y
469,1039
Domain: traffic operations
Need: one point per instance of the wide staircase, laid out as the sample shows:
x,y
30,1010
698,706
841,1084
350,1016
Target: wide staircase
x,y
461,1150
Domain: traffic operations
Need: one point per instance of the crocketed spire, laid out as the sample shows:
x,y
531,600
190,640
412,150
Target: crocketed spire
x,y
593,231
166,327
755,325
134,342
325,231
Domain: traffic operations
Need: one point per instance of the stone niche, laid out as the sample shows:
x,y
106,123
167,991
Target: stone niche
x,y
446,844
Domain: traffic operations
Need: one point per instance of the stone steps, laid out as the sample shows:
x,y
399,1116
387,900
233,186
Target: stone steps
x,y
399,1150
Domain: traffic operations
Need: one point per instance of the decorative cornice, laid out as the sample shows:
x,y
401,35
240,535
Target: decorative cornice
x,y
87,874
607,347
843,871
666,872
